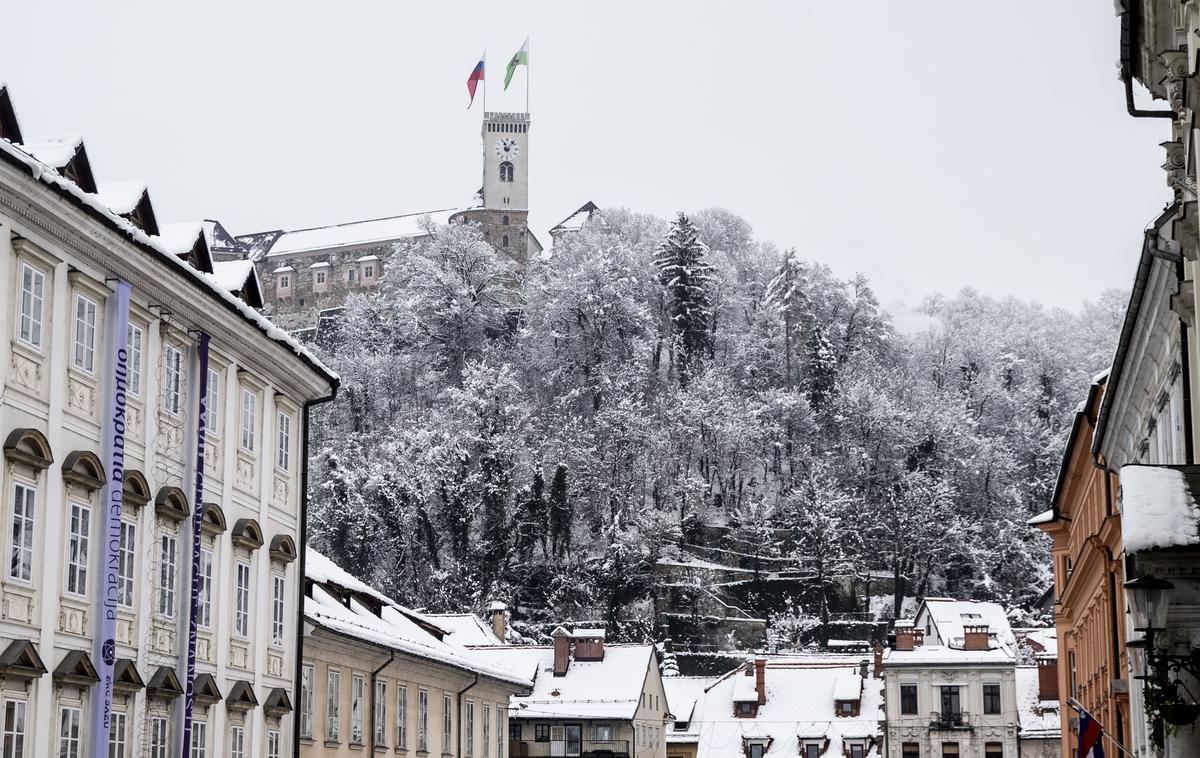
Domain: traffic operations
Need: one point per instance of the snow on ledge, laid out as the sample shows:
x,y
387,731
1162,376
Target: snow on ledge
x,y
1158,509
1045,517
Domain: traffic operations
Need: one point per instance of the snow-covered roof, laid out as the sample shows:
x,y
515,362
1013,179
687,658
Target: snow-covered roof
x,y
588,633
219,238
355,233
948,617
606,689
683,692
1158,507
121,197
940,655
320,264
396,627
1045,517
1044,638
576,220
367,259
1039,719
283,270
800,691
180,238
49,175
466,628
55,151
231,276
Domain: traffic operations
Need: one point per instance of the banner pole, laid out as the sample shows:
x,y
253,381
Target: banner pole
x,y
108,587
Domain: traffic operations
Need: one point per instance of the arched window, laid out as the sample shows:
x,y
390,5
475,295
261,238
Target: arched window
x,y
504,220
504,241
506,172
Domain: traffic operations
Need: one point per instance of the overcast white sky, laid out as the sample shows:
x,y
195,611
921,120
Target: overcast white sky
x,y
929,145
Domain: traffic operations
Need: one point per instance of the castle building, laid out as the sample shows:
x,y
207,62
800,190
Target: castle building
x,y
154,464
306,272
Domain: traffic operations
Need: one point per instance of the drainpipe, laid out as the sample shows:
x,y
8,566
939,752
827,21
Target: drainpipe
x,y
301,580
1127,42
375,694
1114,612
458,716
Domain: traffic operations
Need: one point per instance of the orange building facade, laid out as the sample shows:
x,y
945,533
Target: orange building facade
x,y
1089,605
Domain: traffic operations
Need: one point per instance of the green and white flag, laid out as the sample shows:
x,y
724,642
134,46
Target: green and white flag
x,y
520,59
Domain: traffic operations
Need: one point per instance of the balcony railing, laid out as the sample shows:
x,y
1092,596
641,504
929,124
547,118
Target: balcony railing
x,y
949,720
570,749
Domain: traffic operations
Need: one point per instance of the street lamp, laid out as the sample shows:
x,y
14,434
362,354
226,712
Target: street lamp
x,y
1147,597
1164,701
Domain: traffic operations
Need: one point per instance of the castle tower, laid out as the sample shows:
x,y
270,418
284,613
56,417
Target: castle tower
x,y
504,216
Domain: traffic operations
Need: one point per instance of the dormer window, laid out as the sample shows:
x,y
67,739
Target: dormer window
x,y
285,282
756,747
745,709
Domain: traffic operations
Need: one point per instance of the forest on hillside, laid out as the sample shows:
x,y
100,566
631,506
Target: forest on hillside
x,y
677,385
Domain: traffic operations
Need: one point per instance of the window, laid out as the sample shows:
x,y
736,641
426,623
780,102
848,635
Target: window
x,y
514,731
1070,673
21,566
168,555
133,339
160,737
504,220
278,597
241,600
846,707
499,732
350,276
908,699
856,750
285,281
368,272
951,705
199,739
469,728
602,733
333,706
950,749
118,736
993,750
422,720
756,750
991,698
447,727
172,378
320,277
204,606
79,532
249,419
487,731
29,327
68,732
84,355
380,712
541,732
910,750
126,561
273,744
506,172
504,241
212,402
811,750
237,742
402,717
306,701
283,458
745,708
356,709
14,728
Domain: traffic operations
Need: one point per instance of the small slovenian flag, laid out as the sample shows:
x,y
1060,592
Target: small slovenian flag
x,y
1091,736
474,79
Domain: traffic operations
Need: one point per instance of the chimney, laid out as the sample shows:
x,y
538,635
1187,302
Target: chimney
x,y
975,637
909,637
1047,678
878,660
589,644
498,618
760,679
562,651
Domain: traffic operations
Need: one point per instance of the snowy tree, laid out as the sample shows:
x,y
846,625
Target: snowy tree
x,y
685,275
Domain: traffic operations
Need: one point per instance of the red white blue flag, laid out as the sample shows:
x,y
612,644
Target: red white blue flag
x,y
474,79
1091,736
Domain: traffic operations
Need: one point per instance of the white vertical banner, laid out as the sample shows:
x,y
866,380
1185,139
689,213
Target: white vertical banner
x,y
115,385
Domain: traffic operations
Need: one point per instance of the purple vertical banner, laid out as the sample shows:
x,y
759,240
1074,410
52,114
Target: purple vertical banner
x,y
189,693
116,382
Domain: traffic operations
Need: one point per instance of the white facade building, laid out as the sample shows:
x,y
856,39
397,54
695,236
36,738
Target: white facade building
x,y
61,250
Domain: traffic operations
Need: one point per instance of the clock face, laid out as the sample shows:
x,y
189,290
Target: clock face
x,y
506,149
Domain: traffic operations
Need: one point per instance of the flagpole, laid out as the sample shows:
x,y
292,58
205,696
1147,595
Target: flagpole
x,y
527,74
1079,707
485,78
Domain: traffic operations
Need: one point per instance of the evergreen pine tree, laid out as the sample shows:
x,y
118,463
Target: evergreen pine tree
x,y
686,275
493,552
560,513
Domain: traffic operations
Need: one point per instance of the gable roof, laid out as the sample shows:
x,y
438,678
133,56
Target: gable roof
x,y
800,705
351,234
576,220
606,689
948,617
466,628
340,603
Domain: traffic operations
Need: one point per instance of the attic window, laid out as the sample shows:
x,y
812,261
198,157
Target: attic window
x,y
971,616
